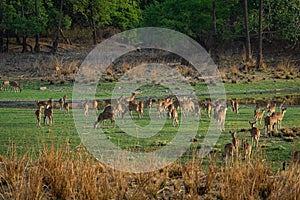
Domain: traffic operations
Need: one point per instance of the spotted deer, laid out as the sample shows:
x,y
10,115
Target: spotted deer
x,y
48,113
259,115
255,133
279,116
247,149
229,152
235,142
174,116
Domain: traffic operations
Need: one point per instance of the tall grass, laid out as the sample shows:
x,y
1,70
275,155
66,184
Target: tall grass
x,y
64,173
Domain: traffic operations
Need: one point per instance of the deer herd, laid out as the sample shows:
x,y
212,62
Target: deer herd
x,y
168,107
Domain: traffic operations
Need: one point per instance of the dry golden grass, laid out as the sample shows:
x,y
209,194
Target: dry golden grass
x,y
70,174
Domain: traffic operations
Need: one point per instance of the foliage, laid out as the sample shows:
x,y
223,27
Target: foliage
x,y
190,17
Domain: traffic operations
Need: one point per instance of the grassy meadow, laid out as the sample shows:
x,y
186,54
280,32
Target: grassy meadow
x,y
50,163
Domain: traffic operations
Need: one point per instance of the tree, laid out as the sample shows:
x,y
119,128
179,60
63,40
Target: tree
x,y
260,53
247,41
191,17
56,40
1,28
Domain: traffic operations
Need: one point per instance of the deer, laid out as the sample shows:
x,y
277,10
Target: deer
x,y
67,107
160,108
220,117
247,149
270,122
38,114
15,86
174,116
187,106
229,152
255,133
296,157
271,108
95,105
86,107
48,113
235,142
208,109
134,105
141,109
108,113
4,85
234,106
61,101
279,116
259,115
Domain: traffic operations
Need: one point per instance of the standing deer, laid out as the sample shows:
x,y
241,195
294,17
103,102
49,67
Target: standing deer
x,y
235,142
38,114
229,152
61,101
86,107
48,113
270,122
247,148
234,106
174,116
279,116
95,105
259,115
4,85
255,133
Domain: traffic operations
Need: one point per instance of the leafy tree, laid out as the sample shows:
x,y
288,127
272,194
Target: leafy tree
x,y
125,14
190,17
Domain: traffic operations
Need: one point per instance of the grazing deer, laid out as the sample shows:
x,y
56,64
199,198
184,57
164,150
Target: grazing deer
x,y
259,115
5,85
270,122
15,86
95,105
108,113
120,108
229,152
174,116
255,133
279,116
235,142
247,149
48,113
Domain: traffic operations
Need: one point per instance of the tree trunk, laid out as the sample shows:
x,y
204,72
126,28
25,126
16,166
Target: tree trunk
x,y
56,40
214,27
24,44
1,30
37,37
260,53
247,42
93,23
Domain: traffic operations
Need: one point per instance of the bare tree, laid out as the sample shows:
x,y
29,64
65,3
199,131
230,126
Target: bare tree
x,y
260,53
214,27
247,42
